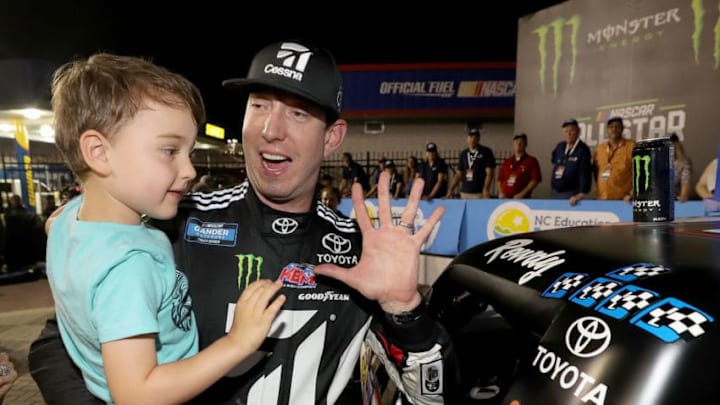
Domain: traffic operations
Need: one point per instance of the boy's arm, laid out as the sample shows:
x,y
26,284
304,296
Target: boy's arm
x,y
134,376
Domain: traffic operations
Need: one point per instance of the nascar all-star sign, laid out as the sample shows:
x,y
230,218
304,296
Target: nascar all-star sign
x,y
655,63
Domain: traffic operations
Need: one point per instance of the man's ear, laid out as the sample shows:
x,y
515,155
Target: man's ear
x,y
94,148
334,137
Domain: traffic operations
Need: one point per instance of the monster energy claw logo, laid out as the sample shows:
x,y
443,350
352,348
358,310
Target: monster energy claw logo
x,y
557,26
642,163
249,269
698,8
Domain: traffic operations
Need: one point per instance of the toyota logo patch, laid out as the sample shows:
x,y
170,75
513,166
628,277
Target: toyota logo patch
x,y
588,337
336,244
284,226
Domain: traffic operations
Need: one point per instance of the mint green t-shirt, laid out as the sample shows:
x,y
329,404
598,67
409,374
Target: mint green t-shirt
x,y
112,281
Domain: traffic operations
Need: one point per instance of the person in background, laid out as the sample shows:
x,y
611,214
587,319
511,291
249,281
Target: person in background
x,y
8,375
352,172
376,176
683,170
327,180
126,128
396,181
520,173
330,197
434,171
49,206
705,186
25,238
205,184
612,164
409,174
476,169
15,206
273,226
572,166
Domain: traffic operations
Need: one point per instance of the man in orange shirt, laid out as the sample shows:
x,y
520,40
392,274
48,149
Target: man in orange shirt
x,y
612,164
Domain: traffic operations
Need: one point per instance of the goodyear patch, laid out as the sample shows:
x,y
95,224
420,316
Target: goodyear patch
x,y
211,233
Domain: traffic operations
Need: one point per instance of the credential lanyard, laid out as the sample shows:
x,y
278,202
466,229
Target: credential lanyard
x,y
471,158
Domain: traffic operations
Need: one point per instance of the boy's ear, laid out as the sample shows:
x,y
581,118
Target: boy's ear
x,y
94,148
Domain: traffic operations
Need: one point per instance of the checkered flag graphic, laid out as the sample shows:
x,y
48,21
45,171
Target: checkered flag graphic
x,y
686,322
638,271
567,282
598,290
630,300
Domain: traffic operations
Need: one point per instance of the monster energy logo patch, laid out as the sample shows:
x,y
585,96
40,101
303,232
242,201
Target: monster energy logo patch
x,y
558,29
642,167
249,269
698,8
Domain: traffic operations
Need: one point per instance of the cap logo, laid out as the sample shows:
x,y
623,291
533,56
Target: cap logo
x,y
293,58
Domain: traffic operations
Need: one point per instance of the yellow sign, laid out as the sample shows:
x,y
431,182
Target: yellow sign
x,y
214,131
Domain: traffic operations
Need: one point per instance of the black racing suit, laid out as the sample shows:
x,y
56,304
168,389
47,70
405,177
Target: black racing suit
x,y
229,238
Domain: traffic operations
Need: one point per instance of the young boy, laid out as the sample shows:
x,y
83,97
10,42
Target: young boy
x,y
126,128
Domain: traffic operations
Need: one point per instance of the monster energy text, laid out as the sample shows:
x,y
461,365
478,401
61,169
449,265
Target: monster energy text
x,y
249,269
653,181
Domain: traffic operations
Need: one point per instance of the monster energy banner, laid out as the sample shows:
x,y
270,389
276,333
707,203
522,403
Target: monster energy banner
x,y
655,63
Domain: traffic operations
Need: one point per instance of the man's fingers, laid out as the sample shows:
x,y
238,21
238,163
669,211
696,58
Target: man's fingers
x,y
431,222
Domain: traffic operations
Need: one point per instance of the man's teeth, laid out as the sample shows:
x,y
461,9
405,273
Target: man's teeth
x,y
268,156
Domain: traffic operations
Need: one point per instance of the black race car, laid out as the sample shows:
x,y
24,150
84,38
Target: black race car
x,y
614,314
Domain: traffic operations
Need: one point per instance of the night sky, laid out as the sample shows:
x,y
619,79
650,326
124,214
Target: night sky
x,y
209,41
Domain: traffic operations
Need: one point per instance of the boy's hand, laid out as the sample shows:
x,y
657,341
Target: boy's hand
x,y
254,313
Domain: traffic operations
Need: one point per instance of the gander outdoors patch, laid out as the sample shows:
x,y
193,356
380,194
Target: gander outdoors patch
x,y
211,233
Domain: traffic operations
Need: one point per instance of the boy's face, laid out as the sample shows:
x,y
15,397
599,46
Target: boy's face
x,y
150,160
285,139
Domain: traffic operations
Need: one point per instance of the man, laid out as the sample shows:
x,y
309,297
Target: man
x,y
612,164
476,168
520,173
572,166
434,171
352,172
272,226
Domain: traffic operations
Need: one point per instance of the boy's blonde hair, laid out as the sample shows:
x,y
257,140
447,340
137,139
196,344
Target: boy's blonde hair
x,y
105,91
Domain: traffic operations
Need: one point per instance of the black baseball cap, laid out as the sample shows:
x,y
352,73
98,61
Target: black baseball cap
x,y
571,121
431,147
474,131
298,68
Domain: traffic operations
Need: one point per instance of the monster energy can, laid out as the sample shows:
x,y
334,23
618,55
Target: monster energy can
x,y
653,169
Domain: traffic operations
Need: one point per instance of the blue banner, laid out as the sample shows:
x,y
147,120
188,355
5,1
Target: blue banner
x,y
428,88
467,223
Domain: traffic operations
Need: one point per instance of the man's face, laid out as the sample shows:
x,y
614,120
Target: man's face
x,y
519,145
430,155
285,139
614,130
473,141
571,133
